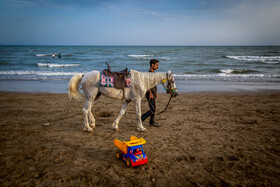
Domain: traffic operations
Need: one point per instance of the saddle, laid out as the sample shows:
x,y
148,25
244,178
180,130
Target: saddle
x,y
119,76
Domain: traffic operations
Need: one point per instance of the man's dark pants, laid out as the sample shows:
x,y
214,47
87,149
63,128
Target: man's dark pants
x,y
151,112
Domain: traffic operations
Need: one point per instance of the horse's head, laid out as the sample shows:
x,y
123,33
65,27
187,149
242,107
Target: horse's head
x,y
169,84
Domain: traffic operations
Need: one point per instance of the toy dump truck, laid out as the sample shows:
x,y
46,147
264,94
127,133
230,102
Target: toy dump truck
x,y
132,151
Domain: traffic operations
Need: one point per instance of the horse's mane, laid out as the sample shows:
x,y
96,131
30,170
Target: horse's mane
x,y
148,79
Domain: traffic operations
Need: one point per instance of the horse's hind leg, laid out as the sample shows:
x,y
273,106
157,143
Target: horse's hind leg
x,y
88,116
92,119
87,112
116,122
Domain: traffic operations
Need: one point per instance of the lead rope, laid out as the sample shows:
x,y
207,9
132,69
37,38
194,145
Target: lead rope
x,y
165,107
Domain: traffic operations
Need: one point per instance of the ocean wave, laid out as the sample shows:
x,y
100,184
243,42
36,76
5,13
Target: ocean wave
x,y
56,65
263,59
43,73
80,53
33,78
237,71
227,76
6,63
148,57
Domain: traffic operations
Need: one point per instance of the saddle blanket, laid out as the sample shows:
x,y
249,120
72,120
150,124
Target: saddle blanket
x,y
106,81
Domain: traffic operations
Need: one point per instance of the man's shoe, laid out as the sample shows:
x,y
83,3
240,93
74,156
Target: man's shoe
x,y
155,125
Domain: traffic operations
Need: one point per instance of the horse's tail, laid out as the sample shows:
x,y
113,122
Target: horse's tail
x,y
74,91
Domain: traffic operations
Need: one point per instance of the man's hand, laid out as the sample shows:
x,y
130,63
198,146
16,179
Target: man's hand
x,y
151,96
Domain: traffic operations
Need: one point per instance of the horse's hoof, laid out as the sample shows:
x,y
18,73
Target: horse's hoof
x,y
142,129
92,126
88,130
116,129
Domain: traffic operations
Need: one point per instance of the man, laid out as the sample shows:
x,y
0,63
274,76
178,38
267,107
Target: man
x,y
151,96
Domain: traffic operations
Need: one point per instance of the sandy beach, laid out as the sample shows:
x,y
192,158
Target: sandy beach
x,y
222,139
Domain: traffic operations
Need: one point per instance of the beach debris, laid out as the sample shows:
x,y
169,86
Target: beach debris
x,y
80,161
46,124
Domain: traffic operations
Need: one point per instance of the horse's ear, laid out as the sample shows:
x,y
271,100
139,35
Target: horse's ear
x,y
169,74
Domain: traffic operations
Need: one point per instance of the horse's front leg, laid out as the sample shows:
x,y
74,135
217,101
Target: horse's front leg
x,y
123,109
138,113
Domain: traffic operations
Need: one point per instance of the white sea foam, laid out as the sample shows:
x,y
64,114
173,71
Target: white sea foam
x,y
140,56
263,59
164,58
148,57
44,73
56,65
223,75
43,55
242,75
227,71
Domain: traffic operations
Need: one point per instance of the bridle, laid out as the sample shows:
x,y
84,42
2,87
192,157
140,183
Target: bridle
x,y
169,89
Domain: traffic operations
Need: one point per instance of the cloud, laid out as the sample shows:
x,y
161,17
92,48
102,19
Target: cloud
x,y
254,23
230,23
67,5
129,12
176,22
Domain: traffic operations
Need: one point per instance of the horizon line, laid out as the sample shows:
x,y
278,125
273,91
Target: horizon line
x,y
240,45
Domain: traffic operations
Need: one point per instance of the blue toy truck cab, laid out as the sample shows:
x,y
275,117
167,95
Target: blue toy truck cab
x,y
135,156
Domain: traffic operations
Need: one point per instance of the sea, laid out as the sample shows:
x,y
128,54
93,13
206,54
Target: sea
x,y
195,68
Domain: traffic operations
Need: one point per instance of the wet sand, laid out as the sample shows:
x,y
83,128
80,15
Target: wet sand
x,y
204,139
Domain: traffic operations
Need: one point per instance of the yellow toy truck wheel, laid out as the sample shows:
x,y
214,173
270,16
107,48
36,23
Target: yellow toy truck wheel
x,y
128,162
119,155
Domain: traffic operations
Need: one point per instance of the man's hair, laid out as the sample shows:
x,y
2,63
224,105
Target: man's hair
x,y
153,61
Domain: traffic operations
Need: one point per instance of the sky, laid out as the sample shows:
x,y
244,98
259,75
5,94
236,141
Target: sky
x,y
140,22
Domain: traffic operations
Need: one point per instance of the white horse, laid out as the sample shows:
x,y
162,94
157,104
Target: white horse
x,y
140,83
